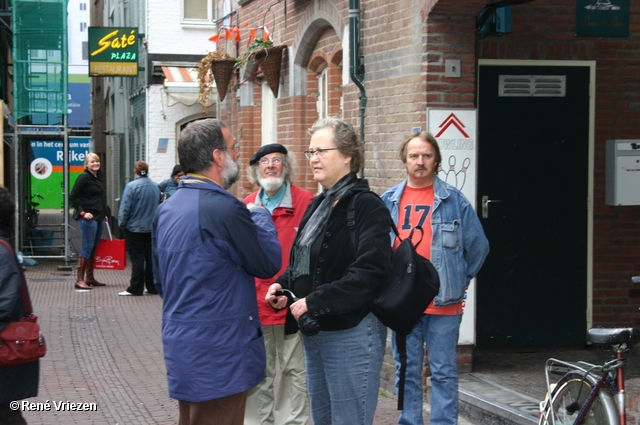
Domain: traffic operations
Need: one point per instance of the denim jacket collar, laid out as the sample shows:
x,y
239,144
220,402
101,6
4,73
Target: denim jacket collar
x,y
439,189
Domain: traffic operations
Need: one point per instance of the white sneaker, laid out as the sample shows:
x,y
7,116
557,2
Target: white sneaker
x,y
125,294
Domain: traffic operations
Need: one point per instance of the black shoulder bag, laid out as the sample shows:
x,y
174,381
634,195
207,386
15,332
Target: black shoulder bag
x,y
413,284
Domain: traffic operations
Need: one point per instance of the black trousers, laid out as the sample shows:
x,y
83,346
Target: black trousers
x,y
139,250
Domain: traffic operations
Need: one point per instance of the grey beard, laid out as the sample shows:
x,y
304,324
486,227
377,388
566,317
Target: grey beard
x,y
271,184
230,173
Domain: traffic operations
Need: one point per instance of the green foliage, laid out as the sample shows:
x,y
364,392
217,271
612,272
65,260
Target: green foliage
x,y
257,45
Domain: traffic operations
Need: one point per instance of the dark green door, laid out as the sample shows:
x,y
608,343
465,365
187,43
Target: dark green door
x,y
533,165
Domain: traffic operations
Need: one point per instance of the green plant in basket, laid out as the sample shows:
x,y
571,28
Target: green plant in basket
x,y
257,45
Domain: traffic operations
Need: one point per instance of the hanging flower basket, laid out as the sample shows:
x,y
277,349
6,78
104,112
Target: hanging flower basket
x,y
270,61
220,66
222,71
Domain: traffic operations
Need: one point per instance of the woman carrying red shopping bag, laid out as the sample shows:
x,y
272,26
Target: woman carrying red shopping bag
x,y
91,211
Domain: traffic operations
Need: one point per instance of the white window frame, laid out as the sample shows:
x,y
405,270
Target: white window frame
x,y
208,20
269,115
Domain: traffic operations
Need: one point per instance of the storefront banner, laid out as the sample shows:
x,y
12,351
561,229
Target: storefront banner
x,y
46,170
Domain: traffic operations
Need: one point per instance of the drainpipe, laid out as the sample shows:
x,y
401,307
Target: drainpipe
x,y
356,69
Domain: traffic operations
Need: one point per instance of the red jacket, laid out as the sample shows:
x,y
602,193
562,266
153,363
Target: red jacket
x,y
286,218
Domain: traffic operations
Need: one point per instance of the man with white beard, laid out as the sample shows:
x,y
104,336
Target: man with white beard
x,y
272,168
208,248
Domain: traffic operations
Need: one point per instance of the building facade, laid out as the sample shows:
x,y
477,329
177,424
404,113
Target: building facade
x,y
546,93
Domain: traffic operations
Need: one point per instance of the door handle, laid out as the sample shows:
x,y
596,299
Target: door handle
x,y
485,205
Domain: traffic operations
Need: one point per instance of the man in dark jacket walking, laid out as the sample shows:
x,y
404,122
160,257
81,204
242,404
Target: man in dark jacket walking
x,y
140,200
208,247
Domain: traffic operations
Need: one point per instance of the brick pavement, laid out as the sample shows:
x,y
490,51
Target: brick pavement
x,y
101,348
106,349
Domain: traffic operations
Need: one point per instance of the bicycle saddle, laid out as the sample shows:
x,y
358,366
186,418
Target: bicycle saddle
x,y
611,336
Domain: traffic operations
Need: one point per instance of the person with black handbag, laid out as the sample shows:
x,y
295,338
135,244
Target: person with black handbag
x,y
334,280
17,382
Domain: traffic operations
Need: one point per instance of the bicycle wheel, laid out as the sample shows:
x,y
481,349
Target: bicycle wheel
x,y
602,412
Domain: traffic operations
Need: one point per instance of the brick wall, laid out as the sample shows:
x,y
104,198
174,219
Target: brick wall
x,y
404,55
545,31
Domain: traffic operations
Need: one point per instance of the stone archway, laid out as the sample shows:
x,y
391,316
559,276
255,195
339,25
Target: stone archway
x,y
313,24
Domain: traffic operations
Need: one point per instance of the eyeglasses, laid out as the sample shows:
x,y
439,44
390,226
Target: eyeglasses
x,y
266,161
319,152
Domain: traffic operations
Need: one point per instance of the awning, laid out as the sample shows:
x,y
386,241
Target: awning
x,y
181,85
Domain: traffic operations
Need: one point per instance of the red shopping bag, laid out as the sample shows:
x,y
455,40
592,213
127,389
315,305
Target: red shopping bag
x,y
111,253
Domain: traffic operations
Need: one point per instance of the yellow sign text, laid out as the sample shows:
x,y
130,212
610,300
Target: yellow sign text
x,y
115,43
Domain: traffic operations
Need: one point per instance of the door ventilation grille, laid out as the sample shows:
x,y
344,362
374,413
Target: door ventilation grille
x,y
532,85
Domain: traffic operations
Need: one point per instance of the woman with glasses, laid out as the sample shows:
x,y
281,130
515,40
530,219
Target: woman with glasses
x,y
334,280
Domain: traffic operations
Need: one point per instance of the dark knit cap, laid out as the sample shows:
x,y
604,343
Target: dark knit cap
x,y
266,150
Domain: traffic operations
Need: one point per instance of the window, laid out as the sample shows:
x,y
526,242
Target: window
x,y
85,50
269,115
83,26
83,6
323,94
198,11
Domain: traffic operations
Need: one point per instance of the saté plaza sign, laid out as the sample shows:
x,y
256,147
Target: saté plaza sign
x,y
114,51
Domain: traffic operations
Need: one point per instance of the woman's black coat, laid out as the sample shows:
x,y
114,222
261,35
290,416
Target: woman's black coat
x,y
18,382
343,278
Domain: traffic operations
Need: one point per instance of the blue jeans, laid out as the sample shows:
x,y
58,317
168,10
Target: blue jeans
x,y
440,334
91,231
343,373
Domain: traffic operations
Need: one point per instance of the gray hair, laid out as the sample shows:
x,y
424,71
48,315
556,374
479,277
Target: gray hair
x,y
345,138
197,142
289,162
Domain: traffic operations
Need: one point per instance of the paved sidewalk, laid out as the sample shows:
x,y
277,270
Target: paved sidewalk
x,y
101,349
106,350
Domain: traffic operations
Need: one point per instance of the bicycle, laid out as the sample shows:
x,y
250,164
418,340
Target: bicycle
x,y
33,213
590,394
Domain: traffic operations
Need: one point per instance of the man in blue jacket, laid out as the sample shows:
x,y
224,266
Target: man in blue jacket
x,y
207,248
456,245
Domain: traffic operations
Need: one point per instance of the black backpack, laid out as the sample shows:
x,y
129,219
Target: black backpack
x,y
413,284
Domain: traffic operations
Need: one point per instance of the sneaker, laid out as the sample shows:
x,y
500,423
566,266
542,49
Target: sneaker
x,y
125,294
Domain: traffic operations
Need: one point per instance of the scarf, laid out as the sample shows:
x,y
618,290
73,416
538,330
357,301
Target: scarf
x,y
316,225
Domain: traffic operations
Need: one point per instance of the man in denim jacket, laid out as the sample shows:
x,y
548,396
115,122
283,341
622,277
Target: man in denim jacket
x,y
456,245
